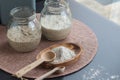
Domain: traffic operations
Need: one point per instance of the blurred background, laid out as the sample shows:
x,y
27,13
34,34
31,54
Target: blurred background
x,y
110,9
106,8
6,6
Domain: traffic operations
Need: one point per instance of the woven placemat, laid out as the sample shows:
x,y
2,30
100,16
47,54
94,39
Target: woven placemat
x,y
11,61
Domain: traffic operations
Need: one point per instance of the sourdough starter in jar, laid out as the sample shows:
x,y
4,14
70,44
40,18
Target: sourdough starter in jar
x,y
24,32
23,39
55,27
55,20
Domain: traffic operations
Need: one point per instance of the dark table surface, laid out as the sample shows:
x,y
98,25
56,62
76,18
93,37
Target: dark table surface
x,y
106,64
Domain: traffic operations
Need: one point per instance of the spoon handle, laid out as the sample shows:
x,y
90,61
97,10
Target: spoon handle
x,y
47,74
28,68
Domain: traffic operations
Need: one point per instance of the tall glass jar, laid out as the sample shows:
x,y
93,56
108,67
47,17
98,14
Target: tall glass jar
x,y
24,32
56,20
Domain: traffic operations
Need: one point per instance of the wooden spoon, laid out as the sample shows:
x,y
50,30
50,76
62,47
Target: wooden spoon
x,y
47,57
72,46
59,69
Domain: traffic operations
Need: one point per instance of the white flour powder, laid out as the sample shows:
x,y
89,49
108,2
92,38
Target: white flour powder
x,y
63,54
55,27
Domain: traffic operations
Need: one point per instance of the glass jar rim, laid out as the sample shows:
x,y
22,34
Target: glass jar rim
x,y
55,7
22,13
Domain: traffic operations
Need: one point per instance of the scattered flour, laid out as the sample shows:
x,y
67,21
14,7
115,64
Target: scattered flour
x,y
99,73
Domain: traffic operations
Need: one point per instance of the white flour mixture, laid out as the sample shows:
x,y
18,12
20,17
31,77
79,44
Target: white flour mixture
x,y
55,27
23,39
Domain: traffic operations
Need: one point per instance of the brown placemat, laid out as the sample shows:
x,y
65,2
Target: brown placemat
x,y
11,61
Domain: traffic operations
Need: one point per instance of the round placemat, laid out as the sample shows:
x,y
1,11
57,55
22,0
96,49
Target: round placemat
x,y
11,61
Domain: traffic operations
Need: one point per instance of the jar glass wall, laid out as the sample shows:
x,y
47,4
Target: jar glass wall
x,y
55,20
24,32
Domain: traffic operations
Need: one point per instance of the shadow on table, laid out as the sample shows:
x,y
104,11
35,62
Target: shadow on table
x,y
59,78
7,76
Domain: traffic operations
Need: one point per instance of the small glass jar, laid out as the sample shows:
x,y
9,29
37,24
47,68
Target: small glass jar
x,y
24,31
56,20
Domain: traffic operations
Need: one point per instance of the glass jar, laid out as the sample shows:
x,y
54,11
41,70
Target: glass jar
x,y
64,2
24,31
55,20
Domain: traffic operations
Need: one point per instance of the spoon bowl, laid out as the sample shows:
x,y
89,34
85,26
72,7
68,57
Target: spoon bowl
x,y
61,69
50,56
